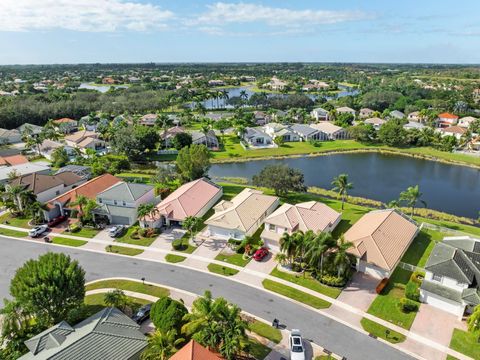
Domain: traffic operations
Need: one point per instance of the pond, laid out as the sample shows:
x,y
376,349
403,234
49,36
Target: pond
x,y
449,188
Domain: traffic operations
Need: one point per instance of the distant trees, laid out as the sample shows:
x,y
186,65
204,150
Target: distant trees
x,y
380,99
281,179
344,120
363,133
193,162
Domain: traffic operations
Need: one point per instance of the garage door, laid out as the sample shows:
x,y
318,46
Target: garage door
x,y
120,220
442,304
219,232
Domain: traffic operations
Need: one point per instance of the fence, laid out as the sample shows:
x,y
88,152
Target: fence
x,y
410,267
443,229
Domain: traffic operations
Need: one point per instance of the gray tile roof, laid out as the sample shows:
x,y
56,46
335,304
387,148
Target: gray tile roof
x,y
441,290
471,296
123,191
303,130
107,335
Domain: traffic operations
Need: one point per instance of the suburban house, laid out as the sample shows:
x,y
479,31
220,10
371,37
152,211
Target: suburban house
x,y
455,130
375,122
466,121
61,204
148,120
395,114
83,171
119,203
414,116
6,172
240,216
84,140
194,351
107,335
288,218
31,129
329,131
446,120
65,125
216,82
47,147
275,130
209,139
380,238
257,138
191,199
167,136
46,187
10,136
261,118
306,132
414,125
12,160
345,110
452,275
319,114
365,113
276,84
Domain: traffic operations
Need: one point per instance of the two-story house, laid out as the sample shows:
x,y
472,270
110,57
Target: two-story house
x,y
452,275
275,130
319,114
256,137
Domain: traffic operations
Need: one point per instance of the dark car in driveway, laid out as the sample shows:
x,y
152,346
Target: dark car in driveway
x,y
142,314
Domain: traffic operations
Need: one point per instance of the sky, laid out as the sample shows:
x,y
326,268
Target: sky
x,y
135,31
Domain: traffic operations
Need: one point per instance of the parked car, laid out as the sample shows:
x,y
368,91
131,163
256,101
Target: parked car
x,y
297,350
142,314
56,221
260,254
38,230
116,231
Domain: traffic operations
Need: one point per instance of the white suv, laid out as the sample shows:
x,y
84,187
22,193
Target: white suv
x,y
297,351
38,230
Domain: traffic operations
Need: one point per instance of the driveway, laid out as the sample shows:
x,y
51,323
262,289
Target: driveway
x,y
209,249
360,292
265,266
165,239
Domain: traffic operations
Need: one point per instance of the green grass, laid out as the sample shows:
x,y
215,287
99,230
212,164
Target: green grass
x,y
380,331
66,241
129,285
308,282
127,238
234,259
123,250
421,247
450,357
14,233
172,258
85,232
186,246
266,331
257,350
385,306
295,294
465,343
222,270
324,357
16,221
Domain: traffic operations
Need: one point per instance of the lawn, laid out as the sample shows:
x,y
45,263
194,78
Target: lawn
x,y
127,238
234,259
308,282
87,232
14,233
381,331
66,241
421,247
171,258
266,331
129,285
257,350
9,219
222,270
123,250
385,306
295,294
186,246
465,343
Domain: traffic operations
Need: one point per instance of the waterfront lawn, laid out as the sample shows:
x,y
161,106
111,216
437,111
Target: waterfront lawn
x,y
129,285
13,233
18,221
266,331
386,305
123,250
308,282
66,241
421,247
142,241
381,331
234,259
295,294
222,270
474,230
172,258
465,343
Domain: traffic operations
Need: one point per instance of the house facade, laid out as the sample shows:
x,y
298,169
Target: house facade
x,y
306,132
209,139
84,140
10,136
365,113
6,172
466,121
329,131
65,125
257,138
446,120
319,114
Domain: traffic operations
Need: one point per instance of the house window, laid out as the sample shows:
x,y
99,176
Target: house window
x,y
437,278
114,202
271,227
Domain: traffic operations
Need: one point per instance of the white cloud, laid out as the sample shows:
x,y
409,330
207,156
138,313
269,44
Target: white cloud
x,y
81,15
222,13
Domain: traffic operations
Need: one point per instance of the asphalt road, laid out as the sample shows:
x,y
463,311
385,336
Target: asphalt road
x,y
320,329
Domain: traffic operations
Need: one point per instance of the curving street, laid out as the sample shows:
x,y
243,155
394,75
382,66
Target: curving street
x,y
322,330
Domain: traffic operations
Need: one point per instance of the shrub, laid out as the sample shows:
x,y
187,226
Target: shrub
x,y
417,277
142,232
411,291
167,314
332,280
407,305
296,267
75,228
177,244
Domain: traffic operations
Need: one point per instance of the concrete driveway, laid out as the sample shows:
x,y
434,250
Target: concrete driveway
x,y
360,292
165,239
265,266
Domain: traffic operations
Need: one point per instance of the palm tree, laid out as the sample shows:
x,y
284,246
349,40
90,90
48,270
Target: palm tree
x,y
203,311
15,194
161,345
116,298
36,210
81,201
191,224
281,258
316,249
233,335
341,259
145,210
288,245
411,196
341,186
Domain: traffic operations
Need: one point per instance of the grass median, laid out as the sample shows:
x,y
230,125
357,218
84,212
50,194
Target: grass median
x,y
295,294
129,285
14,233
123,250
266,331
382,332
222,270
66,241
234,259
172,258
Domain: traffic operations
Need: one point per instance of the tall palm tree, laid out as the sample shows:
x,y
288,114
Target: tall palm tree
x,y
15,194
316,249
204,310
288,245
341,259
341,186
145,210
191,223
81,201
412,196
36,210
116,298
161,345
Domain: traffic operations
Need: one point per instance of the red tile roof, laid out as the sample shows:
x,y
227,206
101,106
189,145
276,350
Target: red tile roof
x,y
13,160
195,351
447,116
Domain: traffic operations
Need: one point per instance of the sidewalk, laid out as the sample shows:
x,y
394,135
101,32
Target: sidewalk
x,y
350,315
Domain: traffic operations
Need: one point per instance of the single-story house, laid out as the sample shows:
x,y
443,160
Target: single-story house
x,y
452,275
330,131
148,120
167,136
209,139
46,187
6,172
65,125
191,199
257,137
456,131
47,147
83,171
241,216
319,114
276,84
31,129
395,114
466,121
12,160
311,215
414,125
346,110
84,140
119,203
380,238
375,122
10,136
107,335
414,116
306,132
365,113
446,120
261,118
194,351
275,130
90,189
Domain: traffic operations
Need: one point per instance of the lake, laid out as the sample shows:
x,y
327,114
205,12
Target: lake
x,y
449,188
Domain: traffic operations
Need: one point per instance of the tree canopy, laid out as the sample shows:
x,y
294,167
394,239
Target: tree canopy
x,y
280,178
193,162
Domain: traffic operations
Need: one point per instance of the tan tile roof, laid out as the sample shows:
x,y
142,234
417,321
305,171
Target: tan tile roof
x,y
381,237
64,120
455,130
80,136
375,121
38,183
195,351
243,211
326,127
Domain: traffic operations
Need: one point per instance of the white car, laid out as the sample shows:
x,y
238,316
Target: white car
x,y
297,350
38,230
116,231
